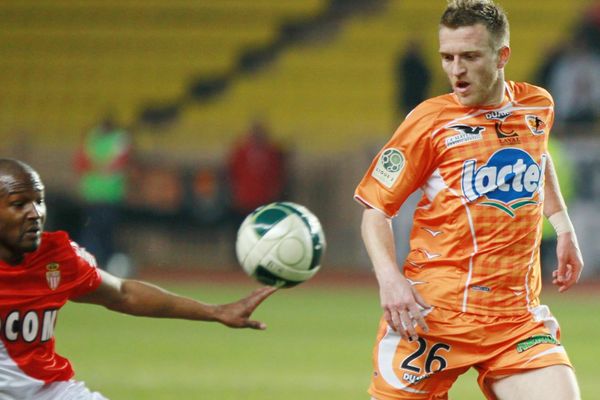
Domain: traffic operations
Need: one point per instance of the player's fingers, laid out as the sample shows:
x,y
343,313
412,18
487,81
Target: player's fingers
x,y
259,295
418,318
397,324
407,322
255,325
571,277
388,317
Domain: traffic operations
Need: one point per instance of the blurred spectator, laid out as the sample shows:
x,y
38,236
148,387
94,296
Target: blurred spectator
x,y
551,58
575,82
257,172
413,78
208,194
591,26
101,162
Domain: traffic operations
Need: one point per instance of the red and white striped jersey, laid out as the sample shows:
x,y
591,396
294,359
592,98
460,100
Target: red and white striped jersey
x,y
31,294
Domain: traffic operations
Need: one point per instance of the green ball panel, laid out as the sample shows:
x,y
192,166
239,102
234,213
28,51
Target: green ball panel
x,y
265,218
265,276
315,232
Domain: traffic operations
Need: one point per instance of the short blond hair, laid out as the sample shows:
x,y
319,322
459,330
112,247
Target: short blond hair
x,y
461,13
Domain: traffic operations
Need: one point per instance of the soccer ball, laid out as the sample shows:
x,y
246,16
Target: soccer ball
x,y
280,244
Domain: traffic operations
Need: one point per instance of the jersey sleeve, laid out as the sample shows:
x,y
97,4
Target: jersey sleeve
x,y
88,277
402,165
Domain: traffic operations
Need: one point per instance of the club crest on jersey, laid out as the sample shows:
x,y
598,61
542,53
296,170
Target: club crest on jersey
x,y
508,180
53,275
466,134
389,166
505,138
535,124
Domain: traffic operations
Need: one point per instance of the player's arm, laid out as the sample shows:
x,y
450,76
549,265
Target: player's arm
x,y
398,297
144,299
570,262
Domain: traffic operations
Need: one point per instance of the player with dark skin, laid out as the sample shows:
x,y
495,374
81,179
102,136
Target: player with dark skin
x,y
22,217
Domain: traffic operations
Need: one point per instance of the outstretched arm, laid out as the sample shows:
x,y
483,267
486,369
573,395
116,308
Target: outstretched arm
x,y
570,262
144,299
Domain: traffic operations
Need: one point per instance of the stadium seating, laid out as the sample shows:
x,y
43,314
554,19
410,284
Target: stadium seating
x,y
64,64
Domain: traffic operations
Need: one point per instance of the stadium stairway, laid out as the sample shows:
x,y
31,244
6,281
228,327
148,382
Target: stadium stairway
x,y
339,94
65,64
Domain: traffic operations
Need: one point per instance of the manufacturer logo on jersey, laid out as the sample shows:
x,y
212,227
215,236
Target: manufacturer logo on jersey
x,y
466,134
505,138
53,275
509,180
389,166
535,124
534,341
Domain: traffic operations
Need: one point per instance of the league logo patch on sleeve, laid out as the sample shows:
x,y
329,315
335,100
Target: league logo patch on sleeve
x,y
389,166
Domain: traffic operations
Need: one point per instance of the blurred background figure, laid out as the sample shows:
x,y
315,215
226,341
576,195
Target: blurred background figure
x,y
102,162
575,82
552,56
257,171
413,78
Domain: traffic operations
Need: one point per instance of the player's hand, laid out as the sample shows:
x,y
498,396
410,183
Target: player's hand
x,y
402,305
237,315
570,262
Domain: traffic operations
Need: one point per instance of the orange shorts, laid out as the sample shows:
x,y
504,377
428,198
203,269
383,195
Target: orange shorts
x,y
494,345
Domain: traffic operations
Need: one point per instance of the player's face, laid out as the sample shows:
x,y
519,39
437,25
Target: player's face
x,y
22,215
473,66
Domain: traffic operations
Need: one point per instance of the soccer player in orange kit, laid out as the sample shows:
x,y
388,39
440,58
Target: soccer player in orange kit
x,y
468,292
40,271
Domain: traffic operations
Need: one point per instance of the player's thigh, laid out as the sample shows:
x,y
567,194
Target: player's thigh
x,y
423,369
556,382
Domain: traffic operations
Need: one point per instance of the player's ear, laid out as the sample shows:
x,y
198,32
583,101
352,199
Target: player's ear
x,y
503,56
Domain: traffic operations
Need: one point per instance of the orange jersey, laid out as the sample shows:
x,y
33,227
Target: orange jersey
x,y
476,233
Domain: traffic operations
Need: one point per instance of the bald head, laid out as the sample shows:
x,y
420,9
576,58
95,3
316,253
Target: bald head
x,y
22,210
10,166
12,171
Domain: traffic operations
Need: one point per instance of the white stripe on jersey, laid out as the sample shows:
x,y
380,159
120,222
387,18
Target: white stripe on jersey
x,y
475,249
434,185
14,383
17,385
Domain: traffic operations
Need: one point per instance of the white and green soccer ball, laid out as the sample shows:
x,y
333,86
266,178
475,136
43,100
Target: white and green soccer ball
x,y
281,244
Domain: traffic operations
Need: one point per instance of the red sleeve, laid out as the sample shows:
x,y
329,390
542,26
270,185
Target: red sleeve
x,y
87,275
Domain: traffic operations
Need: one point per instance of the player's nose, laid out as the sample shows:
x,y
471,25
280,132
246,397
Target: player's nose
x,y
35,210
458,69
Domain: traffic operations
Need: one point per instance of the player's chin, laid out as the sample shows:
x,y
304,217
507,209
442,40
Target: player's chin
x,y
468,100
30,245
